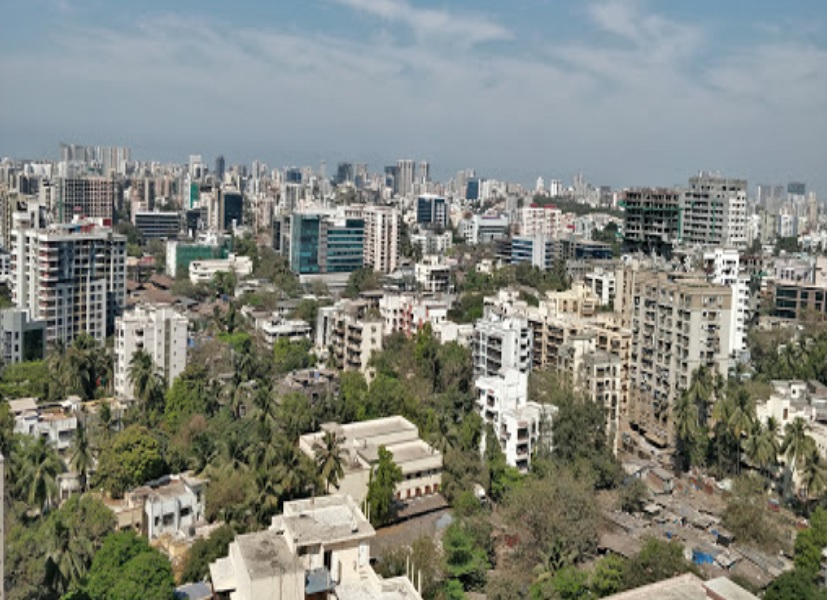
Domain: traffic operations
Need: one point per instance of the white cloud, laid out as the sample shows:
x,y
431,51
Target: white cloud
x,y
633,110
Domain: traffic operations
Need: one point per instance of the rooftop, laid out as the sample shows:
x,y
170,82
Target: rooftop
x,y
326,519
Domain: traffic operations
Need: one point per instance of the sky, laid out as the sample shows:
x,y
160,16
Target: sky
x,y
628,92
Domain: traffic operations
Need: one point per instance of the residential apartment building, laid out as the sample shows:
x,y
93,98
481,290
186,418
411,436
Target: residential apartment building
x,y
799,300
158,330
501,343
318,549
420,462
86,198
433,275
538,220
603,284
520,426
715,212
381,249
203,271
349,334
431,242
722,267
652,219
538,251
155,225
72,276
408,313
677,326
21,338
484,229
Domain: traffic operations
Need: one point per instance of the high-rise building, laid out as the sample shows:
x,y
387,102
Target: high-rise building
x,y
226,210
405,169
159,331
344,173
326,243
431,211
381,238
722,266
220,167
72,276
21,338
423,173
678,325
501,343
86,197
652,219
540,220
715,211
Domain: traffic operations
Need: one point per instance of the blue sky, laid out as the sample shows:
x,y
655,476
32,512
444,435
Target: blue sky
x,y
630,92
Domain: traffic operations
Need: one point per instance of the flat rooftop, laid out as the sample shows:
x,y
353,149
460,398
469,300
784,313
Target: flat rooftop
x,y
265,553
365,430
404,452
683,587
327,519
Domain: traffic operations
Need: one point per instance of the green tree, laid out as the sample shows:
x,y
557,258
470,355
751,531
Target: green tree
x,y
607,577
330,459
813,476
204,551
6,429
188,396
35,472
810,543
464,560
292,355
747,514
382,487
569,583
81,457
128,568
794,585
658,560
147,385
132,458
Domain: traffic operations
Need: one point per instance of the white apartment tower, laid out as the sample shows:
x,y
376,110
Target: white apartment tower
x,y
381,249
722,267
405,170
72,276
540,220
501,343
159,331
715,211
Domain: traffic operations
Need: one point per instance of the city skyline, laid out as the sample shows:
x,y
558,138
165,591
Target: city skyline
x,y
628,92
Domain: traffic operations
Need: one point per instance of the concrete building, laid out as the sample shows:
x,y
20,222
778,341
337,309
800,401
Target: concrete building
x,y
155,225
408,313
715,212
349,335
722,267
180,255
687,587
159,331
677,326
274,327
603,284
203,271
72,276
421,464
381,248
520,426
431,211
431,242
173,505
501,344
56,423
327,241
538,251
405,178
484,229
433,275
85,197
21,338
652,219
317,548
538,220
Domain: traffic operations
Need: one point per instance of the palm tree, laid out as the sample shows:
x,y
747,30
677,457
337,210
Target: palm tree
x,y
60,372
81,458
141,374
686,424
796,441
39,468
329,459
699,392
66,558
721,414
813,477
741,418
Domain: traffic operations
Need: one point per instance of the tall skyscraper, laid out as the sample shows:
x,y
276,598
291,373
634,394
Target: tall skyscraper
x,y
715,211
73,276
431,211
423,174
220,166
406,177
381,238
87,197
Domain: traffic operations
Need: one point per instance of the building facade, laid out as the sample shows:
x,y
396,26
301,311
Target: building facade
x,y
21,338
500,344
715,211
652,219
159,331
381,248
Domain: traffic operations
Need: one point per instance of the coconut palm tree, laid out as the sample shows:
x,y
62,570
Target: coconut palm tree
x,y
39,467
81,457
813,475
66,557
141,374
61,375
686,424
741,418
796,442
330,459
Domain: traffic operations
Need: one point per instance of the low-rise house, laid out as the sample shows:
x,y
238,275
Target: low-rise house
x,y
56,423
318,548
203,271
433,275
316,384
274,327
173,505
421,464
